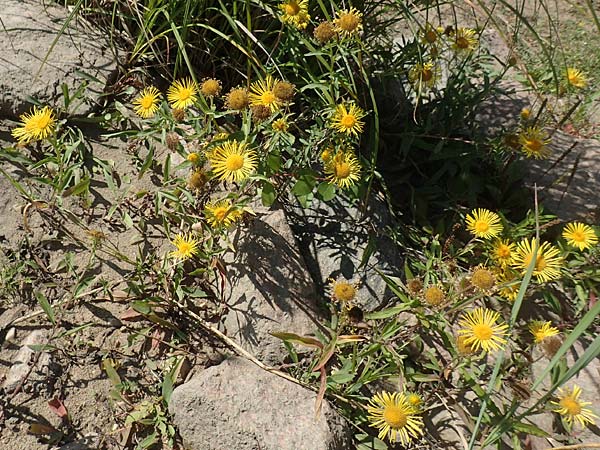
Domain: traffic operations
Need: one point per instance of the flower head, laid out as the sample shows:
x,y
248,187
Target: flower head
x,y
197,179
509,285
481,330
186,247
284,91
237,99
580,235
434,296
324,32
210,87
483,279
342,290
424,75
182,93
343,169
221,213
261,94
541,330
414,400
572,409
502,252
347,119
548,260
147,103
576,78
483,223
534,143
280,125
36,125
348,22
430,34
396,419
232,161
464,40
463,347
295,13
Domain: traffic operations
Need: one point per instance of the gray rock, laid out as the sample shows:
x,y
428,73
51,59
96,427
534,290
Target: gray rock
x,y
23,360
29,29
237,405
333,238
269,287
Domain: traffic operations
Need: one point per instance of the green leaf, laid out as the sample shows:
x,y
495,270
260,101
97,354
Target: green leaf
x,y
79,188
297,339
43,301
268,194
388,312
326,191
529,429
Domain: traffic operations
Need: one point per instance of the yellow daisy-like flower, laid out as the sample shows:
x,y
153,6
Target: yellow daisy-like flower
x,y
342,290
221,213
509,285
572,409
261,94
348,22
424,75
396,419
147,103
232,161
481,330
541,330
182,93
343,170
36,125
576,78
348,119
463,348
502,252
414,400
534,143
186,247
295,13
483,223
280,125
465,40
548,261
580,235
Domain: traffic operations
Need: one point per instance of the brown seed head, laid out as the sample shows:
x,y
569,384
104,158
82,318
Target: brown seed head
x,y
261,112
179,114
210,87
197,179
324,32
284,91
237,99
172,141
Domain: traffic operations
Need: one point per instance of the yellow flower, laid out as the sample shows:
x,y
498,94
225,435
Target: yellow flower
x,y
261,94
182,93
221,213
429,35
414,400
186,247
295,13
424,75
146,104
348,22
525,113
502,251
580,235
481,331
36,125
465,40
193,157
542,330
434,296
576,78
483,279
232,161
343,170
237,99
463,348
348,119
483,223
572,409
396,419
534,143
548,261
280,125
342,290
509,286
210,87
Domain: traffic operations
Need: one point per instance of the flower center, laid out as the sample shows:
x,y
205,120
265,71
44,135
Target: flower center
x,y
342,170
578,236
344,291
220,213
481,226
534,145
185,248
394,417
348,22
267,97
146,102
503,251
348,121
426,74
185,94
292,8
462,42
234,162
431,36
572,406
482,332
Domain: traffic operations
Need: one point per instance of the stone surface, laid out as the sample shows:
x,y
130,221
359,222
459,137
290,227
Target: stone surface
x,y
23,360
29,29
334,237
269,288
237,405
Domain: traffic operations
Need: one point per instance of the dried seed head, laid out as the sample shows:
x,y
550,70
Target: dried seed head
x,y
172,141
